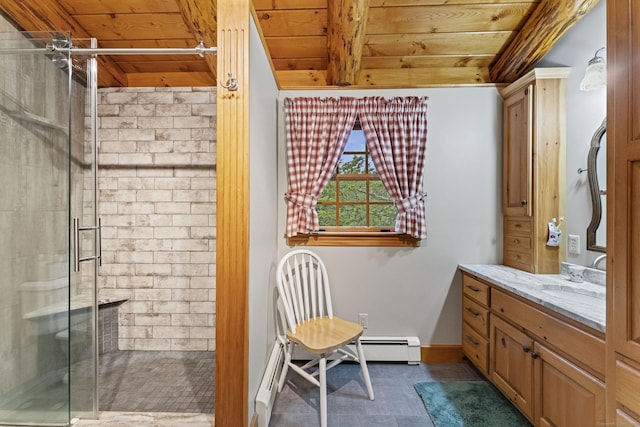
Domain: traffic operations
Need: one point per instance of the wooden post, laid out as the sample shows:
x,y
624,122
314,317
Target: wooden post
x,y
346,25
550,20
232,220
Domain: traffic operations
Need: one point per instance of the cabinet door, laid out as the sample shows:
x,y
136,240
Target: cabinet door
x,y
623,164
517,152
566,396
623,203
512,364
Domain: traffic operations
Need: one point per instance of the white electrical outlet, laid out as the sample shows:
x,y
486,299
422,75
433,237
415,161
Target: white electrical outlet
x,y
574,244
363,319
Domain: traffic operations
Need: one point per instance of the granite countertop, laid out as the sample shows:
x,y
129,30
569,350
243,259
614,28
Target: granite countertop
x,y
583,302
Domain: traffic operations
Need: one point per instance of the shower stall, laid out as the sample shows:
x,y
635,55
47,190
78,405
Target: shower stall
x,y
49,230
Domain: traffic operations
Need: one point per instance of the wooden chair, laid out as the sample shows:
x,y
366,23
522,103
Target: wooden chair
x,y
303,287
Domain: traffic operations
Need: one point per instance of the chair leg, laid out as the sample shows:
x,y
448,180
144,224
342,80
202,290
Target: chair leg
x,y
285,367
364,369
322,369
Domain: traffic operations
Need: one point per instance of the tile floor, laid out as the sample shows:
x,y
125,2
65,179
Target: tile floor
x,y
396,402
157,381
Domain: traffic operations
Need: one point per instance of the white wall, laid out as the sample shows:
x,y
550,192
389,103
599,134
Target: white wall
x,y
262,209
417,291
585,112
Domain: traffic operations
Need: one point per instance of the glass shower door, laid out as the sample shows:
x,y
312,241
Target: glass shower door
x,y
34,233
85,236
47,311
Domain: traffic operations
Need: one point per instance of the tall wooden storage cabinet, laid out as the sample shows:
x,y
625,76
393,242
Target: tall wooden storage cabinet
x,y
534,147
623,213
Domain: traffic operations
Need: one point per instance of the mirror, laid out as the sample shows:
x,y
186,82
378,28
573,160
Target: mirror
x,y
597,175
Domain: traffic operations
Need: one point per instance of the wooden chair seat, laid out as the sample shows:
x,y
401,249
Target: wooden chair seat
x,y
323,334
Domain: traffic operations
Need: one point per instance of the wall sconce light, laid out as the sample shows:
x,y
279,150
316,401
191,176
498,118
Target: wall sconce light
x,y
595,76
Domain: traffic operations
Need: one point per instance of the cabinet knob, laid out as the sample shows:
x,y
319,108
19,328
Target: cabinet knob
x,y
525,348
534,355
523,203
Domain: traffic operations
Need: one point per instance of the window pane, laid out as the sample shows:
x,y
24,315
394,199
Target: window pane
x,y
326,215
353,191
377,192
382,215
351,164
329,192
356,141
372,169
353,215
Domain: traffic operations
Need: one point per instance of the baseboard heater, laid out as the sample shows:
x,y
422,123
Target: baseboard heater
x,y
376,349
381,349
269,385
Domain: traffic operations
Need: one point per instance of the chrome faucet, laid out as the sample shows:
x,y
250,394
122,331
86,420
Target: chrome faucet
x,y
596,261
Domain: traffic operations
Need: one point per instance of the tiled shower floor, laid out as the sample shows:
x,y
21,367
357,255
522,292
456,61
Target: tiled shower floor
x,y
157,381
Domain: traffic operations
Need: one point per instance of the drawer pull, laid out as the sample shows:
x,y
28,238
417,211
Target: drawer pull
x,y
473,288
471,340
473,312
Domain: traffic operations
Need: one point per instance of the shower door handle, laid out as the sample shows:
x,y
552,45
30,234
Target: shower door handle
x,y
77,228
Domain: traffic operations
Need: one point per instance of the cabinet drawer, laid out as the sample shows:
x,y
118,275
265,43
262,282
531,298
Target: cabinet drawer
x,y
517,243
475,289
476,316
516,259
517,225
580,345
628,386
475,347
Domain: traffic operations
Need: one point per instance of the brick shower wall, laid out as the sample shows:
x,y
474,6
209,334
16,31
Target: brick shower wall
x,y
157,204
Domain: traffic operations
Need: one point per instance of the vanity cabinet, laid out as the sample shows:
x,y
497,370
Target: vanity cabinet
x,y
534,146
548,366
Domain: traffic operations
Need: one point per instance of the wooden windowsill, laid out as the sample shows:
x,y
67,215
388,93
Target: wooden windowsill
x,y
353,238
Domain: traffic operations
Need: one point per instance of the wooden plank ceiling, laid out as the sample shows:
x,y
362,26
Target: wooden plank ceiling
x,y
320,43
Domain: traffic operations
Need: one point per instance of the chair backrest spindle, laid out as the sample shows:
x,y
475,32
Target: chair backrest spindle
x,y
303,285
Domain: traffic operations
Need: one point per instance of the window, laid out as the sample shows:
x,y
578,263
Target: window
x,y
334,194
355,209
355,198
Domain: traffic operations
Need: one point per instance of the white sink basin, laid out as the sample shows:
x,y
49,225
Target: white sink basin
x,y
574,293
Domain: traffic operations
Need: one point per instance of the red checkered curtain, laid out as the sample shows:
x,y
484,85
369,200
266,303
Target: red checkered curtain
x,y
396,134
317,130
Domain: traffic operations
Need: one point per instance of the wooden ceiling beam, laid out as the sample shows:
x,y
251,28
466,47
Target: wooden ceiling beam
x,y
346,24
550,20
35,15
202,19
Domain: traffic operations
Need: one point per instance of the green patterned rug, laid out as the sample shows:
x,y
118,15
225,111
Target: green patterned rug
x,y
468,404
